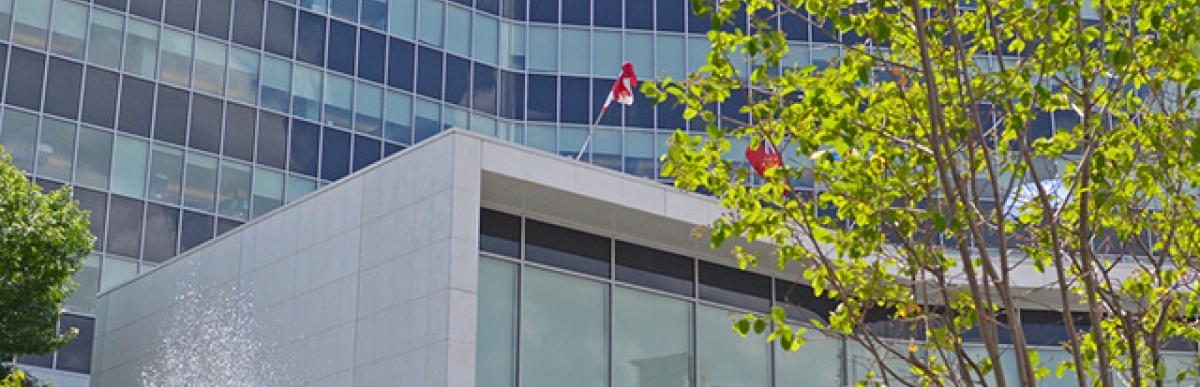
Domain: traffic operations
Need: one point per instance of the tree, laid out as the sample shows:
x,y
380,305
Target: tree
x,y
43,240
920,177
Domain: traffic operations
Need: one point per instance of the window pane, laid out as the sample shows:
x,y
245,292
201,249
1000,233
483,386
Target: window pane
x,y
234,198
499,233
335,154
458,85
734,287
458,31
298,187
342,38
69,29
542,137
201,186
818,362
97,205
280,26
608,12
400,17
578,12
150,9
366,152
305,148
321,6
724,358
347,9
563,324
306,92
210,66
487,31
310,34
697,49
239,132
272,140
62,88
25,75
399,117
368,117
5,17
545,107
105,38
607,46
136,95
276,84
575,92
247,22
429,73
56,149
243,75
166,174
639,49
512,45
606,149
455,118
176,58
95,153
570,140
400,64
205,131
88,278
428,120
129,166
170,122
372,52
512,95
30,19
558,246
141,48
76,355
214,18
182,13
431,22
657,354
576,52
496,331
639,154
197,229
543,11
671,56
268,191
162,232
124,226
339,94
545,57
484,95
374,13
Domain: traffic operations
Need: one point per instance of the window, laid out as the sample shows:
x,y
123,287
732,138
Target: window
x,y
305,147
321,6
366,152
575,92
544,108
56,149
30,21
67,33
578,12
25,74
136,96
458,31
398,116
116,271
431,22
170,123
608,12
570,140
512,95
310,35
247,22
224,225
639,156
239,132
280,26
243,75
496,331
455,118
76,355
400,64
272,140
600,90
734,287
658,354
125,226
543,11
233,199
298,187
639,14
669,16
5,18
339,99
558,246
150,9
697,49
512,45
606,148
458,86
214,18
489,6
484,95
205,130
499,233
306,92
483,124
429,73
97,204
276,84
793,26
129,167
487,31
197,228
513,9
105,39
346,9
181,13
95,152
176,58
368,113
210,67
372,51
671,54
607,46
335,154
374,14
401,17
342,43
62,88
545,57
564,323
162,233
88,278
724,358
428,120
268,191
639,49
141,49
201,184
576,51
166,174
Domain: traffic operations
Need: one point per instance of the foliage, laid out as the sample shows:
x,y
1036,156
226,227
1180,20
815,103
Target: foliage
x,y
43,240
938,193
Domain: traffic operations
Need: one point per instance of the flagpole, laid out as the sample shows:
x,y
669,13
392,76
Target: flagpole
x,y
591,129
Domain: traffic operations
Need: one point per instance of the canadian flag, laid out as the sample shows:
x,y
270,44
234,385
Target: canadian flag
x,y
765,157
622,90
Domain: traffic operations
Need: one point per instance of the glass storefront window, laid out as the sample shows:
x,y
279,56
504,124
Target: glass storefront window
x,y
564,340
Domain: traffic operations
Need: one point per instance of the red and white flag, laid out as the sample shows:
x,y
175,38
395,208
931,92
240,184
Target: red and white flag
x,y
765,157
622,90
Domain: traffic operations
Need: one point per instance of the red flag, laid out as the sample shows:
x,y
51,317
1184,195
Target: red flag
x,y
764,158
622,90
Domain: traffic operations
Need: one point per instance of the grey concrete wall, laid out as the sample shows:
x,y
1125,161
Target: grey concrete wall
x,y
368,282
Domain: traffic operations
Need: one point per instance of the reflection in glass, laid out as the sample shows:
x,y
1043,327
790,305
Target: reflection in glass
x,y
339,95
563,331
210,66
141,49
268,191
817,363
67,33
243,75
651,354
368,116
276,84
496,331
398,116
431,22
30,20
166,174
56,149
726,359
105,38
201,185
233,199
306,92
176,58
129,166
95,153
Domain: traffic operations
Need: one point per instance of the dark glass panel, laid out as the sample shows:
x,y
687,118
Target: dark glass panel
x,y
600,90
670,116
280,26
366,151
197,229
239,132
342,38
400,64
499,233
574,98
114,4
162,232
512,95
579,12
247,22
463,2
566,248
375,14
43,360
822,33
1042,127
25,75
545,106
205,130
171,115
669,15
801,303
794,27
181,13
697,23
458,84
513,9
347,9
124,226
62,88
429,73
639,14
641,113
489,6
272,140
137,97
390,148
484,94
543,11
150,9
654,268
310,38
214,18
732,106
76,355
224,225
608,12
96,203
734,287
305,147
372,51
335,154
